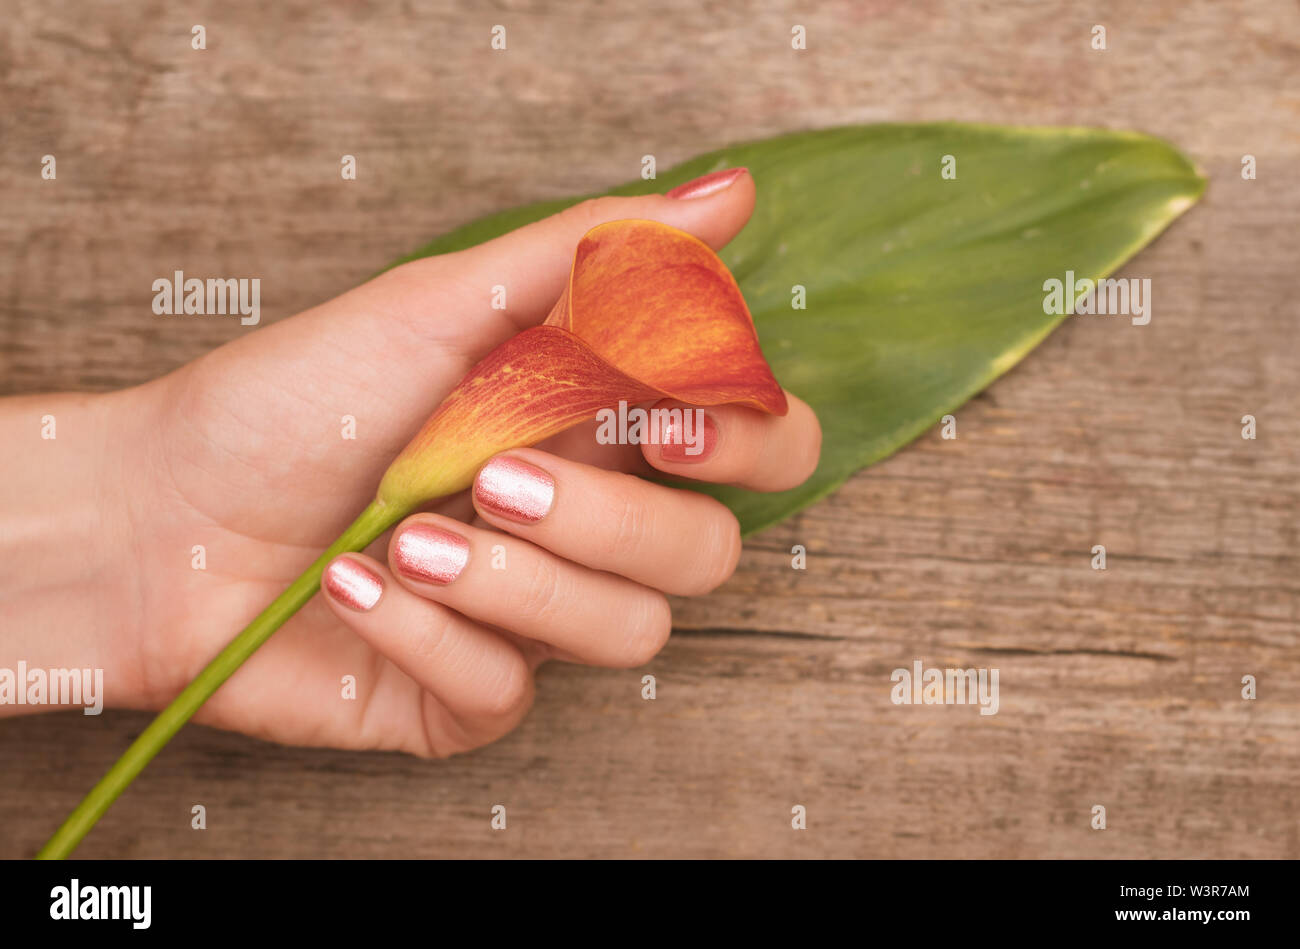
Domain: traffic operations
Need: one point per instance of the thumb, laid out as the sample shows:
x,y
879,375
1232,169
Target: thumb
x,y
532,263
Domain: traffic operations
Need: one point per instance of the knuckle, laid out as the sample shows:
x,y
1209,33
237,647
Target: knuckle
x,y
629,522
428,645
648,630
429,740
540,595
512,695
413,278
790,459
719,550
409,273
595,211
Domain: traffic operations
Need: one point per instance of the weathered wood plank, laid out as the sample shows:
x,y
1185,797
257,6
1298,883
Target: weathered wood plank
x,y
1118,688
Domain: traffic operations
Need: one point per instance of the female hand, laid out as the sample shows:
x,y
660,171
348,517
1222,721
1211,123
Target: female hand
x,y
559,552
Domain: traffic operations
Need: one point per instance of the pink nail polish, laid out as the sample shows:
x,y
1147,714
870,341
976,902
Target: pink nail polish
x,y
354,585
514,489
691,440
428,553
708,184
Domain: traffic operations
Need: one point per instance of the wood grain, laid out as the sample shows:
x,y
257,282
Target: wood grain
x,y
1119,688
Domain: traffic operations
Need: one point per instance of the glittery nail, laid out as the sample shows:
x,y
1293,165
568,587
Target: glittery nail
x,y
691,440
354,585
708,184
428,553
514,489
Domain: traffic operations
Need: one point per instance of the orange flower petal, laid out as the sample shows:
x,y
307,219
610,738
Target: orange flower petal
x,y
649,312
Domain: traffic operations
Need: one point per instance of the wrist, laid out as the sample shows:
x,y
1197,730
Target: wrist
x,y
67,592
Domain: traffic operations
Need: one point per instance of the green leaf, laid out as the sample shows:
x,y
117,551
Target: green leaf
x,y
920,290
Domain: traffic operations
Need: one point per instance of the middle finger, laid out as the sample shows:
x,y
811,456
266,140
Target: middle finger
x,y
671,539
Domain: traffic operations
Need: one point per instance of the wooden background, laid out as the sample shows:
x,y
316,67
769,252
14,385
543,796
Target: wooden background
x,y
1118,688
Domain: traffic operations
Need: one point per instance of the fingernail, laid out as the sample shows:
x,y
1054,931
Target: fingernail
x,y
428,553
514,489
353,584
711,183
690,439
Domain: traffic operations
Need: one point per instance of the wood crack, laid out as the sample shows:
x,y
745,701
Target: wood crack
x,y
1104,653
772,633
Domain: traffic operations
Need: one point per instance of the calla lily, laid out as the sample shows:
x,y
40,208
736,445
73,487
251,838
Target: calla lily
x,y
649,312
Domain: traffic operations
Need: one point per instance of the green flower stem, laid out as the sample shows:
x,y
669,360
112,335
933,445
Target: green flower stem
x,y
374,520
